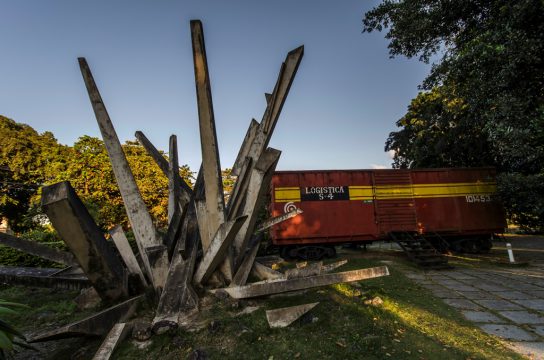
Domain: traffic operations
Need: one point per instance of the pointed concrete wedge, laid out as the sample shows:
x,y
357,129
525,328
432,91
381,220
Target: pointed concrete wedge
x,y
37,249
270,287
95,325
245,267
162,163
154,258
258,185
218,248
281,90
246,146
265,273
278,219
117,334
333,266
213,186
283,317
85,240
174,181
121,243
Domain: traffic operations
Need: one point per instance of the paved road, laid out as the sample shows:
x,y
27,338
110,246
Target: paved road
x,y
506,302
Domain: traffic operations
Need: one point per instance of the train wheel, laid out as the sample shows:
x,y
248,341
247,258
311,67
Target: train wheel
x,y
285,252
330,251
311,252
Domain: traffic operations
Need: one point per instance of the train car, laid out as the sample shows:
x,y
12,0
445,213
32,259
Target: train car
x,y
457,207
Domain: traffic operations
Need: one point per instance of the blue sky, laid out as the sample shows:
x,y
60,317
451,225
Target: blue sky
x,y
344,101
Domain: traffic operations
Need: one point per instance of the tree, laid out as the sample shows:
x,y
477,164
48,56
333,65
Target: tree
x,y
27,161
488,59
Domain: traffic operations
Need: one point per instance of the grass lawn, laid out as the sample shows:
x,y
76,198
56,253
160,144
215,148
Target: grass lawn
x,y
410,324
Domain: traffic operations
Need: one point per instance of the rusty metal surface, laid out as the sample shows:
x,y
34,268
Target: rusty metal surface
x,y
364,205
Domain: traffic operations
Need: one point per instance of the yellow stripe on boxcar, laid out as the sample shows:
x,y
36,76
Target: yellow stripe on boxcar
x,y
391,192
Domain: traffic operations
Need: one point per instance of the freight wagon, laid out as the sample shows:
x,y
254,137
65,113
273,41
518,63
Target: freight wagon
x,y
454,208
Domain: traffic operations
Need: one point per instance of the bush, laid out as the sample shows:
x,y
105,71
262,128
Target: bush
x,y
523,200
13,257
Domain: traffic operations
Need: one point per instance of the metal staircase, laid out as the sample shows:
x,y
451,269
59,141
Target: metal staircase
x,y
419,250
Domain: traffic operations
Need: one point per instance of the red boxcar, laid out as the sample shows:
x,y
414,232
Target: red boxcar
x,y
341,206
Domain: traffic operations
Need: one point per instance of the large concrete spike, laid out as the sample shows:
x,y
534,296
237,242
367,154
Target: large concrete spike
x,y
178,294
239,190
173,234
305,271
280,286
213,186
264,272
37,249
246,145
186,191
217,251
116,335
283,317
278,219
213,183
95,325
281,90
174,182
85,240
121,243
258,185
149,243
244,269
258,136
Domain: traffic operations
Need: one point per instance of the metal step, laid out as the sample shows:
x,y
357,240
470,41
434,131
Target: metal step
x,y
419,250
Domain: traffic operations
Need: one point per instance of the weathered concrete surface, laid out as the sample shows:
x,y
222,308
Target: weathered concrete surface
x,y
333,266
245,267
506,299
251,133
211,167
186,191
95,325
481,317
278,219
239,190
121,243
279,286
217,251
462,304
142,225
509,332
279,318
533,350
281,90
258,184
173,234
498,304
117,334
40,277
265,273
178,295
37,249
305,271
174,180
85,240
522,317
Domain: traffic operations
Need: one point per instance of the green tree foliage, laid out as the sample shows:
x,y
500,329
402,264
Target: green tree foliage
x,y
483,101
27,160
30,160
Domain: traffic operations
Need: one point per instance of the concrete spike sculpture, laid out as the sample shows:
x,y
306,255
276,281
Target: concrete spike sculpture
x,y
199,222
